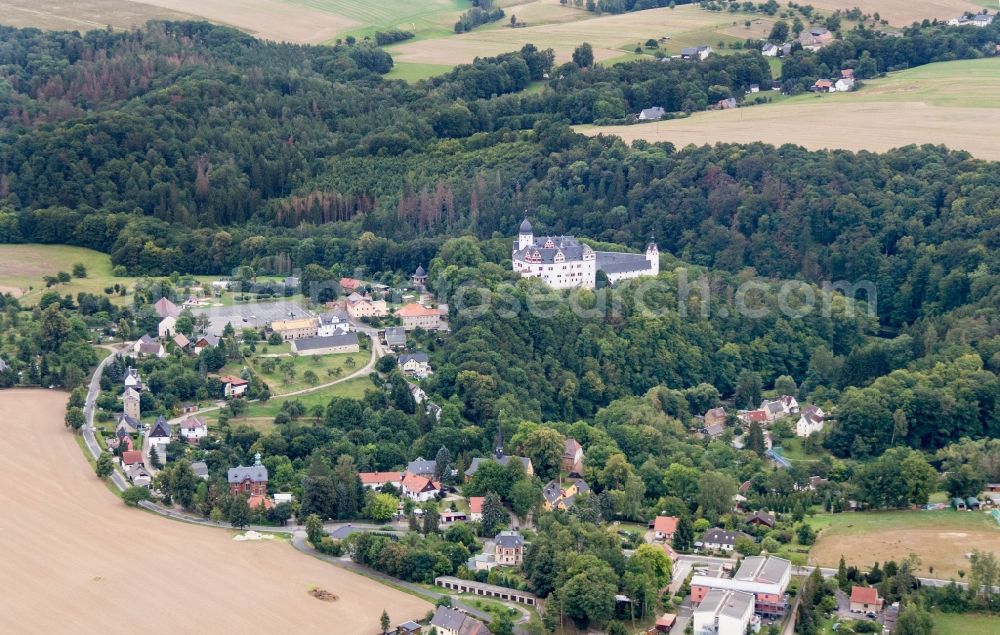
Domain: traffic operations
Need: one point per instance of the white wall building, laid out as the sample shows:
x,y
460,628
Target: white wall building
x,y
724,612
810,421
562,262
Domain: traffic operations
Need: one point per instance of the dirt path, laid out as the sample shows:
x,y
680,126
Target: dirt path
x,y
75,559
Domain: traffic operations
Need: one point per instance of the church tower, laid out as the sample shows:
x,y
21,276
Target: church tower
x,y
653,255
525,235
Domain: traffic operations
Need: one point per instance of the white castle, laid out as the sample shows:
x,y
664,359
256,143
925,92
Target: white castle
x,y
562,262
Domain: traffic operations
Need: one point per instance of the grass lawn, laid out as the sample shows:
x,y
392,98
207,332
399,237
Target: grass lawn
x,y
261,414
427,18
414,72
940,538
792,450
322,366
966,624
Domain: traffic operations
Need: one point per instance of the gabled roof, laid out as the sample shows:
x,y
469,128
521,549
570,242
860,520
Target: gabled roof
x,y
131,457
417,310
200,468
665,524
420,358
719,536
161,428
476,504
207,340
761,517
378,478
165,308
570,448
193,423
126,421
235,381
181,340
421,466
418,484
509,540
395,335
328,341
256,473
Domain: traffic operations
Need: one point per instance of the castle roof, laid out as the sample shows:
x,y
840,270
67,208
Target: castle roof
x,y
419,273
545,248
525,226
617,262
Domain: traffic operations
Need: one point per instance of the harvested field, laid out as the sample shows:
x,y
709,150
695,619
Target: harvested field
x,y
84,16
74,555
930,104
901,12
941,539
610,35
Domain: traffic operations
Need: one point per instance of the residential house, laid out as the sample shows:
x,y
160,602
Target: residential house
x,y
844,84
131,404
696,52
651,114
810,421
131,457
715,416
130,424
132,379
761,518
350,284
823,86
572,459
159,438
409,628
395,337
334,323
167,327
774,409
296,328
726,104
181,341
165,308
416,315
448,517
770,50
419,488
664,528
719,539
248,481
559,496
422,467
233,387
415,364
194,429
449,621
146,346
138,475
200,469
123,439
724,612
753,416
753,89
329,345
508,548
205,341
188,408
377,480
476,508
502,460
865,599
815,38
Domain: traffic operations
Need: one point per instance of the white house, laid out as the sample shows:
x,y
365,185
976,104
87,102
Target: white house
x,y
810,421
138,475
167,327
719,539
844,84
194,429
159,438
651,114
335,323
724,612
769,50
132,379
419,488
415,364
377,480
696,52
562,262
146,346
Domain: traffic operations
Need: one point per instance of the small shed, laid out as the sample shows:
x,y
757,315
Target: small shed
x,y
665,622
972,503
958,504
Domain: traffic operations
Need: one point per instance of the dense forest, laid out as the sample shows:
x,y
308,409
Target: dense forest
x,y
195,149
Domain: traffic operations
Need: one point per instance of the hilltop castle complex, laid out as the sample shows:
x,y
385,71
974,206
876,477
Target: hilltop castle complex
x,y
562,262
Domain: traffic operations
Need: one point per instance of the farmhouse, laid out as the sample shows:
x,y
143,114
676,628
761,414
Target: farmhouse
x,y
719,539
696,52
248,481
295,328
815,38
724,612
562,262
664,527
416,315
508,548
233,387
415,364
865,599
651,114
329,345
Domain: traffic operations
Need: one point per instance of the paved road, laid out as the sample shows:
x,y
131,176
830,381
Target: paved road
x,y
90,405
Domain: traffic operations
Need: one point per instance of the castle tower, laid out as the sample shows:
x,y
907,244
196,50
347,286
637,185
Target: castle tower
x,y
525,235
130,402
653,255
498,451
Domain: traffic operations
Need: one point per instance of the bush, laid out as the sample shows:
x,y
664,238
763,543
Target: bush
x,y
134,495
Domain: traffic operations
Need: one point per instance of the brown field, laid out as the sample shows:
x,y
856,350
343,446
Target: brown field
x,y
901,12
565,28
75,559
857,126
83,16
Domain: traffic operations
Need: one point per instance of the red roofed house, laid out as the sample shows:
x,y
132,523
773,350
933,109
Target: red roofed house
x,y
131,457
822,86
419,488
350,284
664,527
865,599
665,622
376,480
416,315
760,416
234,386
475,508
